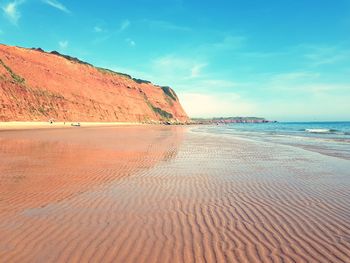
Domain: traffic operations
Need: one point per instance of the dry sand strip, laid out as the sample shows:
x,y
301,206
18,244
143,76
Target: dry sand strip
x,y
166,194
18,125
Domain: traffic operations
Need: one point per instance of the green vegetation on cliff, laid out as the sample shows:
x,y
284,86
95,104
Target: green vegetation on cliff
x,y
167,91
73,59
15,77
158,111
162,113
108,71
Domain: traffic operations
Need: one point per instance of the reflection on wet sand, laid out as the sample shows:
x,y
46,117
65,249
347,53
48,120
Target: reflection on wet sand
x,y
42,167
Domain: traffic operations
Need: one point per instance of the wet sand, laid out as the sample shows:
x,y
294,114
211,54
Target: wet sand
x,y
167,194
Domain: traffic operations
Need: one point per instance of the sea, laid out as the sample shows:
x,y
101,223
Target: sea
x,y
328,138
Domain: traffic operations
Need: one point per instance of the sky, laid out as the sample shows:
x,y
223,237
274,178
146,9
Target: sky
x,y
285,60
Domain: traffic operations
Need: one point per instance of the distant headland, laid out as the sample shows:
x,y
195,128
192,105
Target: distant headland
x,y
225,120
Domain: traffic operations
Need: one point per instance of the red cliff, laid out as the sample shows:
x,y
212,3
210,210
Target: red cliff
x,y
37,86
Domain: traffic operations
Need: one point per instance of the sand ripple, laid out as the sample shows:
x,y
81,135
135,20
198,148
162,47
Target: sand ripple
x,y
168,195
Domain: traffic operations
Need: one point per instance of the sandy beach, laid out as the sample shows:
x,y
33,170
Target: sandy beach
x,y
26,125
168,194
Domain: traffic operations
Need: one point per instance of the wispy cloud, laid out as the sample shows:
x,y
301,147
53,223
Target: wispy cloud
x,y
13,14
229,42
11,11
165,25
109,33
63,44
57,5
293,77
207,85
178,67
304,83
326,55
98,29
262,55
130,42
124,25
196,70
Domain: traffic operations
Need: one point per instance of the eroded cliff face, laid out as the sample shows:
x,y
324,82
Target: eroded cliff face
x,y
37,86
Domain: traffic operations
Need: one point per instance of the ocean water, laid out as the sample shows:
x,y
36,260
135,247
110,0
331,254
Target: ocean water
x,y
329,138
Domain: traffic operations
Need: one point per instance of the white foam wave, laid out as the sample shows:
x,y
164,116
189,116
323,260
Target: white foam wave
x,y
319,130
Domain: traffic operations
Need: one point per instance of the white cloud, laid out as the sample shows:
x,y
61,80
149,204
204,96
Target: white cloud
x,y
57,5
11,11
63,44
124,25
130,42
216,105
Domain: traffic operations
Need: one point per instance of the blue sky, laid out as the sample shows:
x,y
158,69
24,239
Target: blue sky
x,y
279,59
